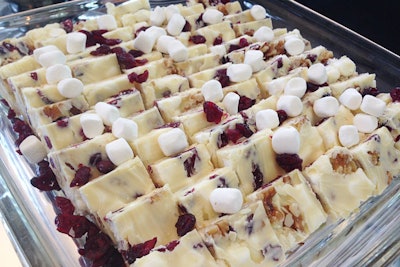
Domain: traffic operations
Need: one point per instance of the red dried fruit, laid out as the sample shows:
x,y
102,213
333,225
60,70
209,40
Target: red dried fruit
x,y
245,103
82,176
96,246
243,42
233,135
244,129
139,78
395,94
73,225
136,53
187,27
197,39
105,166
233,47
101,50
48,142
312,87
289,162
139,250
218,40
190,162
282,116
312,57
185,224
46,179
172,245
223,140
370,91
222,77
212,111
67,25
64,205
62,122
258,176
34,76
94,159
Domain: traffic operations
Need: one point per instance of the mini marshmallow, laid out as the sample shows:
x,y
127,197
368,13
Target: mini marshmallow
x,y
125,128
264,34
212,91
107,22
291,104
176,24
173,142
345,66
294,46
70,87
325,107
239,72
156,32
144,42
39,51
33,149
76,42
163,43
231,103
92,124
258,12
267,119
317,74
219,50
51,58
170,11
351,99
226,200
365,123
276,86
286,140
157,16
373,105
57,72
296,86
348,135
119,151
212,16
178,51
107,112
255,58
333,73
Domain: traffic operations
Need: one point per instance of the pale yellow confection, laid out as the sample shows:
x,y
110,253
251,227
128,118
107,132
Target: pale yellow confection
x,y
198,63
147,120
210,32
378,158
340,184
182,170
248,88
253,161
198,79
251,26
361,81
292,208
190,250
245,238
151,215
195,199
126,8
391,119
36,97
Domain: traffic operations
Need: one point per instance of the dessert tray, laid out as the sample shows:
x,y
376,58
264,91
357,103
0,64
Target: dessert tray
x,y
368,237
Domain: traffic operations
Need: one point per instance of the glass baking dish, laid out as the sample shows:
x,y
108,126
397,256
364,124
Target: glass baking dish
x,y
369,237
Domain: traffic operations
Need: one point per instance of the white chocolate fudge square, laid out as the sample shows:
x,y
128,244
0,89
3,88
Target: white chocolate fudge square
x,y
149,216
338,182
245,238
292,208
189,250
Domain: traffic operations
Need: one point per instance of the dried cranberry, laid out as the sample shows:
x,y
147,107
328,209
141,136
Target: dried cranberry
x,y
212,111
244,129
101,50
172,245
245,103
139,250
187,27
258,176
370,91
312,87
218,40
233,135
63,122
73,225
222,77
141,29
112,258
67,25
282,116
34,76
312,57
136,53
223,140
82,176
233,47
395,94
289,162
197,39
96,246
279,63
243,42
11,113
64,205
105,166
139,78
190,162
185,224
46,179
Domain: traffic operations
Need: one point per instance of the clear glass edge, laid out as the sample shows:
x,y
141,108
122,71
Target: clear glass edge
x,y
59,250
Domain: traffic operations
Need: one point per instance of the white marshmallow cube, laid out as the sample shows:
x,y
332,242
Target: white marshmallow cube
x,y
373,105
125,128
212,91
176,24
231,103
51,58
212,16
163,43
291,104
267,119
57,72
170,11
92,124
218,50
258,12
264,34
239,72
294,46
286,140
107,112
157,16
144,42
255,58
173,142
351,99
317,74
296,86
276,86
107,22
348,135
325,107
33,149
226,200
76,42
156,32
119,151
345,66
365,123
178,51
41,50
70,87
